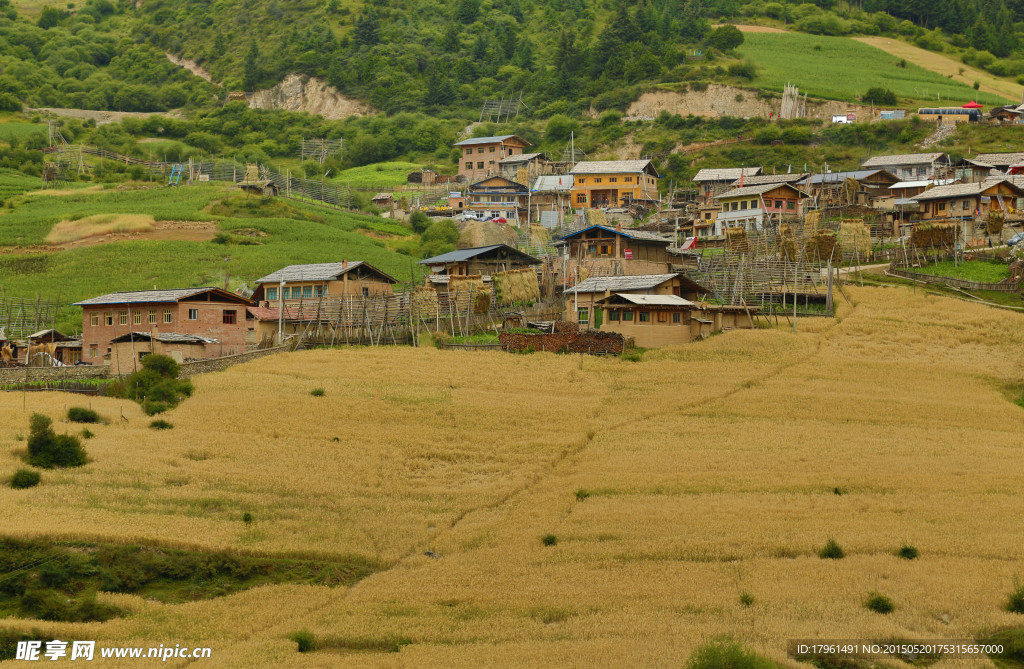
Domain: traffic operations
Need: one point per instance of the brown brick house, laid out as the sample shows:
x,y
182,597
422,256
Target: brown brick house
x,y
481,156
212,313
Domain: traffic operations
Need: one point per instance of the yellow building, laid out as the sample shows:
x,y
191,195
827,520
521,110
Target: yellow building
x,y
612,183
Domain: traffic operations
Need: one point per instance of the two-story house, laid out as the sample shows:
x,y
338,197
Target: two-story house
x,y
968,201
613,183
310,283
498,197
481,155
211,313
712,181
911,166
751,207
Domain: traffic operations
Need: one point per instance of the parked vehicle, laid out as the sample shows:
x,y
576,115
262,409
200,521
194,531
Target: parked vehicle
x,y
1016,239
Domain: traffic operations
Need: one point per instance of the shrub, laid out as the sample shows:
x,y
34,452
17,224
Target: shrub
x,y
160,424
880,603
156,386
746,599
831,551
727,654
549,540
582,494
317,392
305,640
247,518
419,221
880,96
907,552
86,433
48,449
1015,602
82,415
25,478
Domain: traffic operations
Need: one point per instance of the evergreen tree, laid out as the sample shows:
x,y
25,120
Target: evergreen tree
x,y
251,68
450,39
366,31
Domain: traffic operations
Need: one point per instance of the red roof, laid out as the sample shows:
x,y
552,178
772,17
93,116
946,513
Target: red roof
x,y
971,105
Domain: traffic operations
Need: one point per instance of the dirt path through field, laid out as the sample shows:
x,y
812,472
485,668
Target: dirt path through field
x,y
184,231
945,66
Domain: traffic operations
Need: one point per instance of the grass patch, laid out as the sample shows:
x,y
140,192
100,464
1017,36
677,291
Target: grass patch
x,y
305,640
59,581
982,271
879,603
1012,641
317,392
582,494
25,478
727,654
160,424
377,174
831,551
82,415
98,224
746,599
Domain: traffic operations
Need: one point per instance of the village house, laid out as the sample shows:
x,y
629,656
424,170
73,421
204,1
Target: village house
x,y
1006,114
582,298
480,155
969,201
498,197
1001,161
213,313
128,350
613,183
910,166
714,181
310,283
480,261
55,346
829,186
616,251
549,197
667,320
515,166
704,219
750,207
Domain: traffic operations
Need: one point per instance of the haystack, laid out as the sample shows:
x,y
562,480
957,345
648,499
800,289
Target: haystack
x,y
424,301
933,234
736,240
821,245
516,286
473,234
787,243
463,289
854,236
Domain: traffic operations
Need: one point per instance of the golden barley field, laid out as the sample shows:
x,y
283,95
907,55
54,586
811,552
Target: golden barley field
x,y
672,485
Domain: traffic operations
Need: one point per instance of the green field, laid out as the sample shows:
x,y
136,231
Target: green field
x,y
294,233
981,271
378,174
15,183
844,69
19,130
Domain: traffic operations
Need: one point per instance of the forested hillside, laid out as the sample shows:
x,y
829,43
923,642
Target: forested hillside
x,y
443,56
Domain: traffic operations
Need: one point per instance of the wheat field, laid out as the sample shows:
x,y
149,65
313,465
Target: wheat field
x,y
672,486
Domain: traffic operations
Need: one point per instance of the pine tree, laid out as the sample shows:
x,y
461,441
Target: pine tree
x,y
251,68
366,31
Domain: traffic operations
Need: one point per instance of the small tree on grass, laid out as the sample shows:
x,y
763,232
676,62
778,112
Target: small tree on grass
x,y
156,386
47,449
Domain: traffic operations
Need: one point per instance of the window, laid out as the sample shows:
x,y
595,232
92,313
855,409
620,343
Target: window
x,y
193,314
645,317
94,350
318,291
366,291
676,317
662,317
581,199
94,319
613,315
229,317
469,165
491,149
108,318
743,204
605,249
753,204
629,180
168,316
597,180
137,317
469,151
967,205
271,293
584,315
790,205
942,206
581,180
152,316
491,163
307,291
480,165
778,204
613,180
627,315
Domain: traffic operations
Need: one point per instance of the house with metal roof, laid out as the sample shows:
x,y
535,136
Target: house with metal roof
x,y
970,201
753,207
665,320
128,350
582,298
833,186
613,183
711,181
911,165
612,250
513,166
1001,161
209,312
481,155
481,261
312,283
549,196
498,197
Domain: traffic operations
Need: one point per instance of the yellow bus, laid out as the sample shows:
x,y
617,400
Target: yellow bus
x,y
949,115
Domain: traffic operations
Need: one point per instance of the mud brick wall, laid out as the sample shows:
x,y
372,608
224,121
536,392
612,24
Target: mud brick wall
x,y
216,364
73,373
567,338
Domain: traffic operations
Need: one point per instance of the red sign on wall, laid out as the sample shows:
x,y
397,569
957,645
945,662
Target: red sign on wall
x,y
629,254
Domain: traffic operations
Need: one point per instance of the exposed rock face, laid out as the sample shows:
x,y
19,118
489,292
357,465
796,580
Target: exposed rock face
x,y
190,65
309,94
720,100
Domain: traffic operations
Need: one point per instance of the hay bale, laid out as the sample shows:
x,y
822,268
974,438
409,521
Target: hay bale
x,y
596,217
854,236
821,245
786,243
516,286
736,240
424,300
933,234
813,218
469,291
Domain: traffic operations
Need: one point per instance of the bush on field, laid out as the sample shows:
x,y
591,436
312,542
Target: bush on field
x,y
727,654
831,551
25,478
156,386
879,603
82,415
1015,603
47,449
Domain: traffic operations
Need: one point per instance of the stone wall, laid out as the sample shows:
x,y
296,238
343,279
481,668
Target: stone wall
x,y
567,338
189,369
74,373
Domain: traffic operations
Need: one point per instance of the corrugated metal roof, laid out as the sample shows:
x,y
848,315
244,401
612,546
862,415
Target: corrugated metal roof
x,y
838,177
902,159
172,295
551,183
612,166
319,272
599,284
725,173
488,140
462,255
961,190
519,158
747,191
996,159
164,337
921,184
758,179
625,232
655,300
